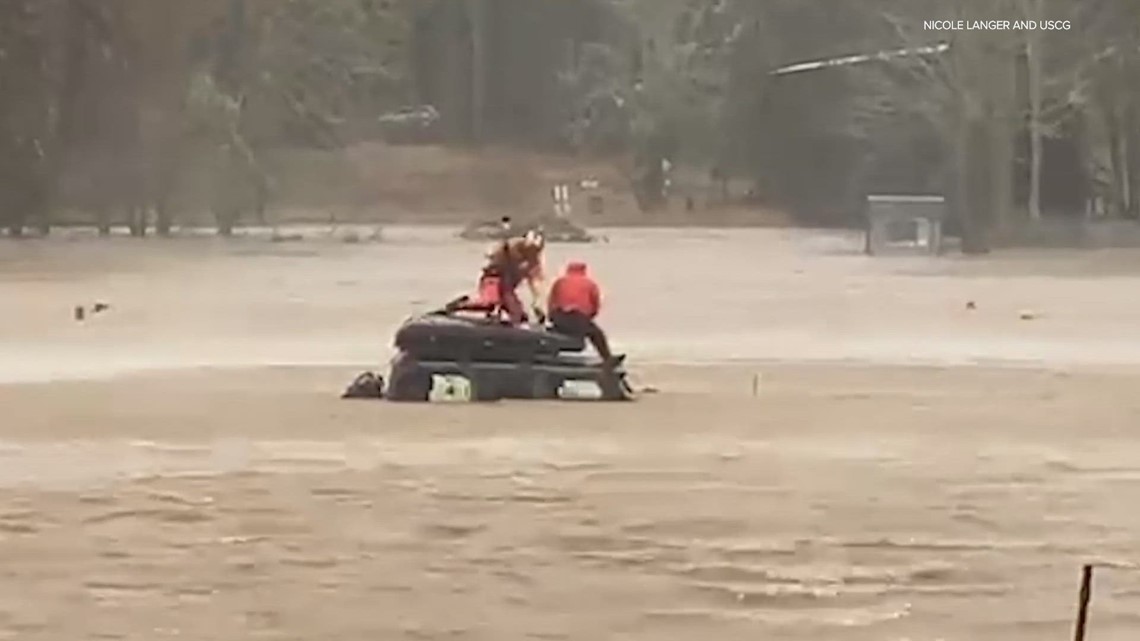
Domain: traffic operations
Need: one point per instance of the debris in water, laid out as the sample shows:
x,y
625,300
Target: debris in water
x,y
100,307
556,230
1027,314
971,305
80,313
366,385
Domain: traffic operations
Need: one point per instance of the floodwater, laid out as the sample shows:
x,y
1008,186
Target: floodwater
x,y
840,448
672,296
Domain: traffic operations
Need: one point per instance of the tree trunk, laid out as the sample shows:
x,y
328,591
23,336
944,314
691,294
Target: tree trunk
x,y
262,195
1033,61
978,200
970,200
227,206
163,191
162,220
69,52
652,186
1119,204
975,148
230,69
455,77
477,16
1131,169
226,214
226,225
1003,122
166,180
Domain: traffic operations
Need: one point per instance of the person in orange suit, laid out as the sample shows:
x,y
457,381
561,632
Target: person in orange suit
x,y
510,263
513,262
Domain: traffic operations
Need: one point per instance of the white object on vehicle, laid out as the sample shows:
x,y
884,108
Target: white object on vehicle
x,y
580,390
449,389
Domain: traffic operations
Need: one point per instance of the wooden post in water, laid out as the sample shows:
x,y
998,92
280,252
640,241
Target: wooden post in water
x,y
1083,603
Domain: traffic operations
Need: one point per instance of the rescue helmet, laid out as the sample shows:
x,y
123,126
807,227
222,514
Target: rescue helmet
x,y
534,240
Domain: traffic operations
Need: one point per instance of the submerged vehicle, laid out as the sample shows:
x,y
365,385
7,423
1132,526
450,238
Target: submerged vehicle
x,y
497,360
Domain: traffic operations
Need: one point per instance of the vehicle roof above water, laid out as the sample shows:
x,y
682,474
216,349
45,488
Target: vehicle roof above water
x,y
475,328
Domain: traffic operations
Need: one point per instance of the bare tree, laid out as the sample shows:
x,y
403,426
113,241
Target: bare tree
x,y
967,95
1034,54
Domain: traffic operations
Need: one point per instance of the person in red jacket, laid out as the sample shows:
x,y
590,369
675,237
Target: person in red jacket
x,y
574,302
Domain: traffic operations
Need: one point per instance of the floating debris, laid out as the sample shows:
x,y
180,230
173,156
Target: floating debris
x,y
278,237
555,230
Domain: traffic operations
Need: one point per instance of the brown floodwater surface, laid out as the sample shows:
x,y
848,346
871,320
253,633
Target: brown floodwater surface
x,y
180,466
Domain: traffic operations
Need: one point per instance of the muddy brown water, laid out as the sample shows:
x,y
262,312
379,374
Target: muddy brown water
x,y
179,466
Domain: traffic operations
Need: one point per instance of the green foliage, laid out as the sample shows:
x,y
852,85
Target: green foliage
x,y
313,67
597,92
684,79
671,88
26,114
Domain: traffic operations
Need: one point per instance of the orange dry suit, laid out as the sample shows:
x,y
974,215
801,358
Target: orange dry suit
x,y
509,264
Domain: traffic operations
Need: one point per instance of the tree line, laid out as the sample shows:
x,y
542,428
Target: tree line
x,y
105,105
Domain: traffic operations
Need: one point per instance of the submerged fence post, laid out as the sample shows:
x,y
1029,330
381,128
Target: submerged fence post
x,y
1083,603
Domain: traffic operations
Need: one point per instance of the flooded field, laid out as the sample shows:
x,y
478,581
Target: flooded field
x,y
179,466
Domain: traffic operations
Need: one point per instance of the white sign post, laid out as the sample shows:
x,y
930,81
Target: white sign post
x,y
560,194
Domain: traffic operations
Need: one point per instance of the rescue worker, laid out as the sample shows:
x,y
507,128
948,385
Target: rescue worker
x,y
511,262
574,304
